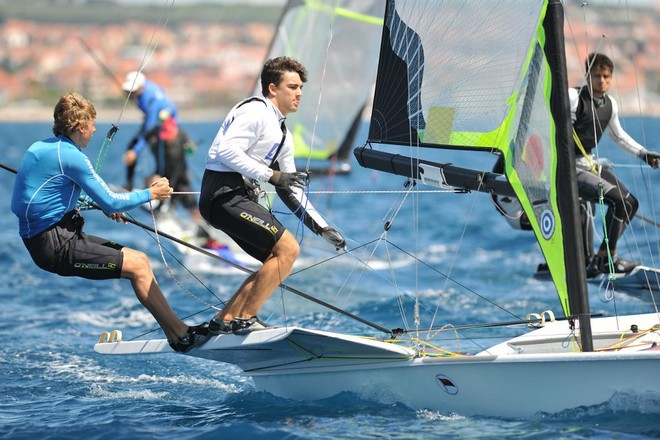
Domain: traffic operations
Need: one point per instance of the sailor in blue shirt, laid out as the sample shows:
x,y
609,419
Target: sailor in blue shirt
x,y
52,175
168,142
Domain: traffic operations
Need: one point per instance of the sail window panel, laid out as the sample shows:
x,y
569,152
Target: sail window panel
x,y
530,156
469,59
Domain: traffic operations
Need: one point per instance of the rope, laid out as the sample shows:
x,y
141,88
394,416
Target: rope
x,y
169,269
318,103
344,192
151,48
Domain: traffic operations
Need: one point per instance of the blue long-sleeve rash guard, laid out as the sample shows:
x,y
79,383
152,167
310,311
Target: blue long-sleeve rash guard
x,y
52,175
152,101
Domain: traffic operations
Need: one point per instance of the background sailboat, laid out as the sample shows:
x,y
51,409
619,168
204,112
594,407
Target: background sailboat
x,y
337,41
441,84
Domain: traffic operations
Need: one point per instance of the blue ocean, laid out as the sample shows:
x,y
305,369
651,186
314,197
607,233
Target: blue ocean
x,y
469,267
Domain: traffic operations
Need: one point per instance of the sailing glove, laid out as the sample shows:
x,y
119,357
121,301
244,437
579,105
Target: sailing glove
x,y
652,158
331,235
288,180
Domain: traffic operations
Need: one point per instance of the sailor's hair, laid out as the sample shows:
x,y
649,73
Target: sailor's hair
x,y
71,111
274,68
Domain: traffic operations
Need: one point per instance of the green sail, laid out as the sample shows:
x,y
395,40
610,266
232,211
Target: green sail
x,y
476,78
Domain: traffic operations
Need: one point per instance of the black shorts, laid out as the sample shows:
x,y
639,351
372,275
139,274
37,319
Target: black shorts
x,y
226,204
65,250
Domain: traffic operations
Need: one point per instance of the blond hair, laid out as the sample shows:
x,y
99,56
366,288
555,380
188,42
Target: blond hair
x,y
72,111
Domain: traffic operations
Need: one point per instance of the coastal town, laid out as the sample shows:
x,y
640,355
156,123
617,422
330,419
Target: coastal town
x,y
205,65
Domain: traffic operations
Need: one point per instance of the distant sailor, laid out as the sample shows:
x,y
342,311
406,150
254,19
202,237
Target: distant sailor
x,y
253,145
52,175
161,132
593,112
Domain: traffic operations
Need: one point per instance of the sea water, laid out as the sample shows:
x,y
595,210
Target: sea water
x,y
472,267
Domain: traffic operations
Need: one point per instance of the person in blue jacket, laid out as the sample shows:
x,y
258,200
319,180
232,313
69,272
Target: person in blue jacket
x,y
168,142
49,182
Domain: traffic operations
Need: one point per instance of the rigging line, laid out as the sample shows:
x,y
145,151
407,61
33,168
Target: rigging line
x,y
107,142
250,271
100,63
494,324
366,191
455,281
350,251
151,46
647,220
172,255
323,72
169,269
454,258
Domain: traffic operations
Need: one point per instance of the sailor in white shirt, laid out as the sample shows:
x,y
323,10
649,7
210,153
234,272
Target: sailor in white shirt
x,y
252,146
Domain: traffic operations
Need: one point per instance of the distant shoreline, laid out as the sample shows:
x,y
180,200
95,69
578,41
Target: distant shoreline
x,y
18,114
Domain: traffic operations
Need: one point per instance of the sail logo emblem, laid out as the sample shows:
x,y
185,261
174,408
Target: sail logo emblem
x,y
533,155
446,384
547,224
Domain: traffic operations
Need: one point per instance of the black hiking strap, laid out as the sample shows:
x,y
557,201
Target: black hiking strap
x,y
279,147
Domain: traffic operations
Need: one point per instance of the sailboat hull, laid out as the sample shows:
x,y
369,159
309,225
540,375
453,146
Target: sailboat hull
x,y
503,386
539,372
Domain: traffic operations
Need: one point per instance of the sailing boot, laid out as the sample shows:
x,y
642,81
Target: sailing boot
x,y
194,337
246,325
595,266
219,327
623,266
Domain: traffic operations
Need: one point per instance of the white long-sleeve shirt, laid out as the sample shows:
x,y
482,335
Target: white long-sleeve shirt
x,y
247,142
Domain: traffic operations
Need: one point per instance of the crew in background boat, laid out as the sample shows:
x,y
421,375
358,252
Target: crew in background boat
x,y
593,112
168,142
588,130
52,175
253,145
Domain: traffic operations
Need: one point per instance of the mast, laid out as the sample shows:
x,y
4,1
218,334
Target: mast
x,y
567,199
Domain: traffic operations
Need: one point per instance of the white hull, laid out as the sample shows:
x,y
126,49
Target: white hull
x,y
537,372
503,386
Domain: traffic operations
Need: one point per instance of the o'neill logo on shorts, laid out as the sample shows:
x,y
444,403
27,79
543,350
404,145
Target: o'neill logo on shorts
x,y
95,266
257,221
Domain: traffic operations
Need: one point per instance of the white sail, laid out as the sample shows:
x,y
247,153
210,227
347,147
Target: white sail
x,y
337,41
